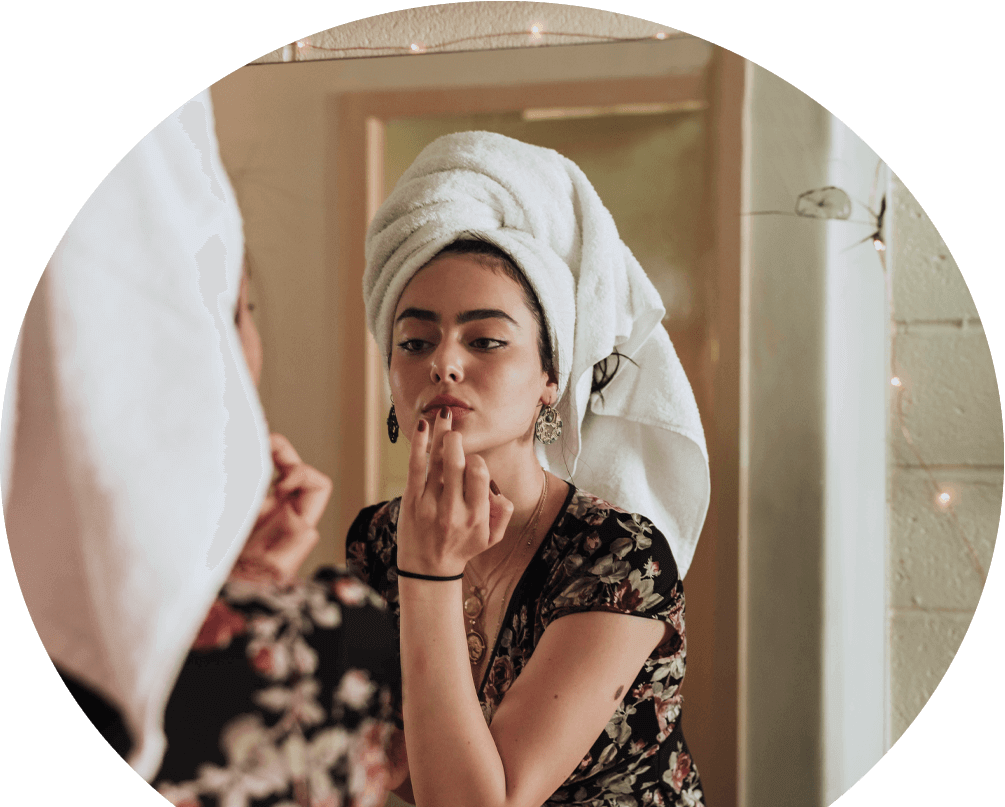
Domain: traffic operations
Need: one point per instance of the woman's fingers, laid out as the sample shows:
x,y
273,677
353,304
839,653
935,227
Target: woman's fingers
x,y
416,482
447,514
277,547
476,487
441,425
452,500
500,513
268,506
284,455
308,490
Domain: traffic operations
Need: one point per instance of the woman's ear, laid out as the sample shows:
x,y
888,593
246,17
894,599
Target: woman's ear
x,y
550,395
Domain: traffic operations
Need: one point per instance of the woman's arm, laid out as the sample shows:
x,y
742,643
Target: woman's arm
x,y
547,721
566,695
563,698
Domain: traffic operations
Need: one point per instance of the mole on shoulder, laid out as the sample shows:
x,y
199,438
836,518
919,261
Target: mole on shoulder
x,y
617,695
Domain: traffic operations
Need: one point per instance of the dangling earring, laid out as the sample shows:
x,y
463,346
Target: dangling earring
x,y
392,424
548,427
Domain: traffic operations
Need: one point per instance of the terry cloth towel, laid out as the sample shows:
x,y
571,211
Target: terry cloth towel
x,y
141,455
640,445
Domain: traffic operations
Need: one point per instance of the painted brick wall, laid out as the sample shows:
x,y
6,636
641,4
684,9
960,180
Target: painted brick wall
x,y
945,437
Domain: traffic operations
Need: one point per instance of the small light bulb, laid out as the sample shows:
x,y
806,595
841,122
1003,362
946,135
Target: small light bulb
x,y
895,381
661,35
880,246
301,44
944,498
535,29
417,47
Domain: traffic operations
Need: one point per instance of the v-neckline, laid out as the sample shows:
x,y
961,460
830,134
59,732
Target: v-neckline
x,y
508,605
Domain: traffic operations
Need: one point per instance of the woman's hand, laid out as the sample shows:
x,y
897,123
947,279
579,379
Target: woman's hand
x,y
286,529
451,512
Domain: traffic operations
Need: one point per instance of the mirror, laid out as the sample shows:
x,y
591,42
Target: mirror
x,y
314,148
777,304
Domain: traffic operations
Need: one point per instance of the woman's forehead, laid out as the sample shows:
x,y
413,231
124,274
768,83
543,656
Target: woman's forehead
x,y
450,284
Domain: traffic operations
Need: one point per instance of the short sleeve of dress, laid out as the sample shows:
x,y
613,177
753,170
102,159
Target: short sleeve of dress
x,y
372,550
361,551
606,559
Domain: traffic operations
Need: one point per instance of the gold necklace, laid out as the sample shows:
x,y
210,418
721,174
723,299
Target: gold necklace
x,y
474,603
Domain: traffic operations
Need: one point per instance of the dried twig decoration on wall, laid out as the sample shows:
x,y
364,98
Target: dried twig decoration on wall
x,y
831,202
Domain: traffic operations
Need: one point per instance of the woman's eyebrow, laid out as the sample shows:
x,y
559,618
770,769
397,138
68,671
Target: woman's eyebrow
x,y
485,313
462,318
418,313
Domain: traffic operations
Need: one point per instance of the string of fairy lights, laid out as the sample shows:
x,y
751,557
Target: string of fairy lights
x,y
305,49
833,203
944,496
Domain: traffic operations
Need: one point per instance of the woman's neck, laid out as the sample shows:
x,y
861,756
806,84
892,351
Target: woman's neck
x,y
518,474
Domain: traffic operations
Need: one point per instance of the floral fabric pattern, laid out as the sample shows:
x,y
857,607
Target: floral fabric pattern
x,y
287,699
595,558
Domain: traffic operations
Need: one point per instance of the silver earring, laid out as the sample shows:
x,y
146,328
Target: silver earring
x,y
548,427
392,424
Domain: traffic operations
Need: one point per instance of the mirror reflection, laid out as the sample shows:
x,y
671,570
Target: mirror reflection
x,y
782,322
617,111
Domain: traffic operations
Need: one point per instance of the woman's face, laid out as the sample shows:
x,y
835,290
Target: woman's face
x,y
464,337
251,342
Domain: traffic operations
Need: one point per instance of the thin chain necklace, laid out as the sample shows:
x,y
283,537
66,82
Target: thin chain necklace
x,y
474,603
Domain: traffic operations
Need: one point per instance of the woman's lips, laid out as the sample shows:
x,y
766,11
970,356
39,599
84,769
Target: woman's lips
x,y
457,413
458,409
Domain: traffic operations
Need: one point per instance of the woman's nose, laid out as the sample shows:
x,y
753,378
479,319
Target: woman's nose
x,y
446,365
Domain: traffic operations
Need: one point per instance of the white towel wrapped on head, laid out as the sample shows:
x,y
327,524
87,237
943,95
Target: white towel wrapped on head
x,y
640,445
140,452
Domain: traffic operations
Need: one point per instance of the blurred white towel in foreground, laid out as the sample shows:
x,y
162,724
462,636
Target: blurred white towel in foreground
x,y
140,453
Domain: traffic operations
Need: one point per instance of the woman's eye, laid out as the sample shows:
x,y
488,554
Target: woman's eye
x,y
412,345
486,343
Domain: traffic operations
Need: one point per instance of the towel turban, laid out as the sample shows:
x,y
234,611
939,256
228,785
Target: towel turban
x,y
640,445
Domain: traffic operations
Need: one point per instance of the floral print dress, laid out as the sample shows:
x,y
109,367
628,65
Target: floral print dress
x,y
596,557
287,699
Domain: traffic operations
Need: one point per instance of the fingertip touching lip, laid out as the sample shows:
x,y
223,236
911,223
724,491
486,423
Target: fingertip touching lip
x,y
441,401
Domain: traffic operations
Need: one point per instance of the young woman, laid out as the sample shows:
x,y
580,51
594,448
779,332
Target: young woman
x,y
289,694
541,627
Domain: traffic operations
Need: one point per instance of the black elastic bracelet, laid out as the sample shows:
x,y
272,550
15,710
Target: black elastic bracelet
x,y
403,573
